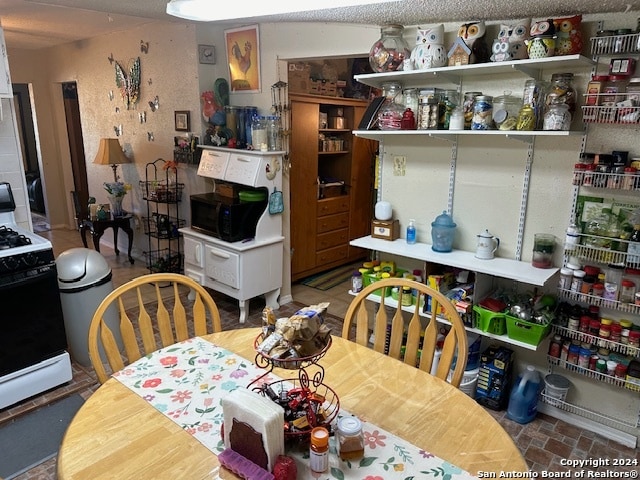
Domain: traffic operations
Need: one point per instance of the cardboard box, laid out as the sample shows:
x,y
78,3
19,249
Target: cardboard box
x,y
385,229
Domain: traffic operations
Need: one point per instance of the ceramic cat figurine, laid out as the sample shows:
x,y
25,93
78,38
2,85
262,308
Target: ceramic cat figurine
x,y
429,51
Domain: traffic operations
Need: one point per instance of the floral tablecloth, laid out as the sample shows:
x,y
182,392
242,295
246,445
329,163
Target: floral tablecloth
x,y
187,381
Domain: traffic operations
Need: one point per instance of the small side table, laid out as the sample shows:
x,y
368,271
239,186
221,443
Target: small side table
x,y
97,228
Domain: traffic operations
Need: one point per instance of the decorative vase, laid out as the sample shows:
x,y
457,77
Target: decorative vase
x,y
116,205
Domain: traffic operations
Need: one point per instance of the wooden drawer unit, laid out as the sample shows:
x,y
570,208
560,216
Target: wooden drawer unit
x,y
331,255
331,206
332,239
329,223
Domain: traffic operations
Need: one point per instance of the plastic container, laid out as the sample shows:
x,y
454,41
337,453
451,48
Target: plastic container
x,y
523,400
319,450
350,439
411,232
556,388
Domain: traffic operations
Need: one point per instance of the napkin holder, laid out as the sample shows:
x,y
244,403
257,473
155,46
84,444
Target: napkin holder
x,y
253,427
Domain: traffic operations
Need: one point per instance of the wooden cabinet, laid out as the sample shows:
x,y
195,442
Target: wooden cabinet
x,y
331,183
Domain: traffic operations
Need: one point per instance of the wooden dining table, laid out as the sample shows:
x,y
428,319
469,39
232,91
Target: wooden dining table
x,y
117,434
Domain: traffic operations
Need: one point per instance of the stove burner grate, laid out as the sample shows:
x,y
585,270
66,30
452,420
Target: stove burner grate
x,y
10,238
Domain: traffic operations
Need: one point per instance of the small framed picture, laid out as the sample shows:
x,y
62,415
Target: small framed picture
x,y
207,54
182,121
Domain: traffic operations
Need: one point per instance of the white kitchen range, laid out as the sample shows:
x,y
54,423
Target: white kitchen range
x,y
33,343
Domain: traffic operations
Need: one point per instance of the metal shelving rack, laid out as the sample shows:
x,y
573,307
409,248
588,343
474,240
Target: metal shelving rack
x,y
162,193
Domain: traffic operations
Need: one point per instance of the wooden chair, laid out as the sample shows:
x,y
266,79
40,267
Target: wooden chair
x,y
405,340
161,316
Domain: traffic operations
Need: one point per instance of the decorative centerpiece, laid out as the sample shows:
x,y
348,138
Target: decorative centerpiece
x,y
297,343
116,192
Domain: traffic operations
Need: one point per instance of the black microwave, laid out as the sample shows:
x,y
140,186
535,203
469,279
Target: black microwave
x,y
226,218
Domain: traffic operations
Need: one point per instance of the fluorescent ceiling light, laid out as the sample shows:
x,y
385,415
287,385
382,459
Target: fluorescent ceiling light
x,y
209,11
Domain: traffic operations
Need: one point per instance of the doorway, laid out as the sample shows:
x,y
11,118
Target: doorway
x,y
28,145
76,142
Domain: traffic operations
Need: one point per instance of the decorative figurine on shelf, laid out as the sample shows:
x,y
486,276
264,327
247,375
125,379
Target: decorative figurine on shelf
x,y
569,36
473,36
514,36
429,51
543,39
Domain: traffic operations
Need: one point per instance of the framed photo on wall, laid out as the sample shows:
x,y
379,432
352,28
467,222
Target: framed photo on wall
x,y
207,54
182,120
243,57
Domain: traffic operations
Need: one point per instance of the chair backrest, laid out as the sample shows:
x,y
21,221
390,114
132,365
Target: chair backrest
x,y
411,342
153,312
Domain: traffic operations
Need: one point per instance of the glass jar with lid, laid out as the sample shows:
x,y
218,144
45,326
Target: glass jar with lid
x,y
482,113
349,438
557,117
505,111
561,86
467,107
390,115
390,51
450,100
428,110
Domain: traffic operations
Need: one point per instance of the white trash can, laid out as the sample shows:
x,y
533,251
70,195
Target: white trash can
x,y
84,280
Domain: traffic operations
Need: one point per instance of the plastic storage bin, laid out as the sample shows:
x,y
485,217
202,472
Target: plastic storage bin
x,y
524,331
489,321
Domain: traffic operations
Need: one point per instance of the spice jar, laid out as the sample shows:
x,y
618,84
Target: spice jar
x,y
555,346
594,88
389,52
628,291
566,276
576,282
350,439
616,332
634,338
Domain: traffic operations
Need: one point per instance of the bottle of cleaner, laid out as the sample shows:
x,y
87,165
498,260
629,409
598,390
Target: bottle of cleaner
x,y
523,401
411,232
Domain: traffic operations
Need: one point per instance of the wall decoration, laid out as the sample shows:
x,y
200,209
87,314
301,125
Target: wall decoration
x,y
154,104
110,58
129,85
243,57
143,117
182,120
117,129
569,41
150,137
144,46
207,54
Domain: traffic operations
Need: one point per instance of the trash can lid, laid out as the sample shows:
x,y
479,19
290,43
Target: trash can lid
x,y
80,267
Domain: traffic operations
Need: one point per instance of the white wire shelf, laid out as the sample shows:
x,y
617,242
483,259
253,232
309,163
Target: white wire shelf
x,y
613,181
615,44
599,301
582,337
592,374
614,114
586,413
605,255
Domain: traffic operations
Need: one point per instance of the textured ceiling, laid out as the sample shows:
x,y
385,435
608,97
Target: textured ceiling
x,y
37,24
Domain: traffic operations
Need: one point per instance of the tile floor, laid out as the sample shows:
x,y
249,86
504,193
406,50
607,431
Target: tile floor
x,y
543,442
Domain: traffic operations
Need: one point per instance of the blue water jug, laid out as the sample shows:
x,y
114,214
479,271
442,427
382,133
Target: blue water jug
x,y
523,401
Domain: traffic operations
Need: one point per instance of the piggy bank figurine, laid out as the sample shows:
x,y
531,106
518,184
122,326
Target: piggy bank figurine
x,y
429,51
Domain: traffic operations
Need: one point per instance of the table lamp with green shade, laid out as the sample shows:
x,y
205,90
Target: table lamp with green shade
x,y
110,153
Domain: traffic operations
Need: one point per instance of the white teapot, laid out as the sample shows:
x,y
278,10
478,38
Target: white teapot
x,y
487,245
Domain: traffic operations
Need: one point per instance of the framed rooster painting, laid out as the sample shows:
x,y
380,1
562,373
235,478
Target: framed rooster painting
x,y
243,57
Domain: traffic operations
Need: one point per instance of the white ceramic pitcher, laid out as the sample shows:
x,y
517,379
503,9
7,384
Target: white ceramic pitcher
x,y
487,245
